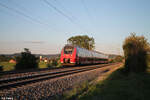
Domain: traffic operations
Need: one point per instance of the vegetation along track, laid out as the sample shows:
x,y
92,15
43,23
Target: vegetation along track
x,y
20,81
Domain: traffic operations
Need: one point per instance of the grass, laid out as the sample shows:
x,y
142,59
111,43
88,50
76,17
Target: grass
x,y
42,65
10,66
116,86
119,86
7,66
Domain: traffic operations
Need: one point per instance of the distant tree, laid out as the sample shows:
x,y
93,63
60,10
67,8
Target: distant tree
x,y
4,58
135,52
117,59
26,60
83,41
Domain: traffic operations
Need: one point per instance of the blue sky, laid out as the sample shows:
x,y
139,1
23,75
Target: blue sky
x,y
35,25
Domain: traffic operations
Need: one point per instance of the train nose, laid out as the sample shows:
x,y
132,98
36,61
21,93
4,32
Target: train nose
x,y
66,60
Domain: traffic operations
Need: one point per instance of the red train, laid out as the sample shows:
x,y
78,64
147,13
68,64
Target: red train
x,y
74,55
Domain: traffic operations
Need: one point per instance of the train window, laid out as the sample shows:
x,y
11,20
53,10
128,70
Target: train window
x,y
68,50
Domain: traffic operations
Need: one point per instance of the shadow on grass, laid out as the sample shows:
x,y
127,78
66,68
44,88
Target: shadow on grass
x,y
120,86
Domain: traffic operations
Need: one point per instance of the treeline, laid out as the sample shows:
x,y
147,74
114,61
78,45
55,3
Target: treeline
x,y
4,58
116,59
27,60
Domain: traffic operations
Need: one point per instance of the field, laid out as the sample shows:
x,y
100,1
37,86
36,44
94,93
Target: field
x,y
10,66
7,66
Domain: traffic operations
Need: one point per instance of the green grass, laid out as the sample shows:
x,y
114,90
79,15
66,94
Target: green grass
x,y
119,86
42,65
7,66
10,66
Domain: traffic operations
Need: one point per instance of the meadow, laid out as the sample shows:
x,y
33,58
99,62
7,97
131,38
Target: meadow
x,y
10,66
7,66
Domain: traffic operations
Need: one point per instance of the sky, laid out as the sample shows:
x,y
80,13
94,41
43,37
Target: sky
x,y
44,26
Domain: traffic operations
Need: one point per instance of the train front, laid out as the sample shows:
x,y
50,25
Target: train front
x,y
68,56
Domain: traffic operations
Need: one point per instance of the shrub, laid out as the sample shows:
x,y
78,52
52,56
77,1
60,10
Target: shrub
x,y
26,61
148,61
51,65
135,52
116,59
1,68
54,63
59,63
4,58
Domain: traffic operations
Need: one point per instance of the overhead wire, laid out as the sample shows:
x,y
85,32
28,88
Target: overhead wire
x,y
72,16
37,17
88,13
65,15
25,15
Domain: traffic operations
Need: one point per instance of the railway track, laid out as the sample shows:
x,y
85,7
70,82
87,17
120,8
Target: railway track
x,y
21,81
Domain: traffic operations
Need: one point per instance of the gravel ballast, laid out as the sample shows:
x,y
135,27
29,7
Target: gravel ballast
x,y
46,89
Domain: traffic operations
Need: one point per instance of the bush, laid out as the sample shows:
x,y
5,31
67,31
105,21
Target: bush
x,y
148,61
4,58
1,68
59,63
54,63
49,65
26,61
135,52
116,59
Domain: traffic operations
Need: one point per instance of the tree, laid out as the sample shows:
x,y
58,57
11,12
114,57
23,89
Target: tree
x,y
82,41
4,58
117,59
26,60
135,52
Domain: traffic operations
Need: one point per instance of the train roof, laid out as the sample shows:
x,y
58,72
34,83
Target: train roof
x,y
85,49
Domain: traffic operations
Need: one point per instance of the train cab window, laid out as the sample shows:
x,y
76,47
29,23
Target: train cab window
x,y
68,50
